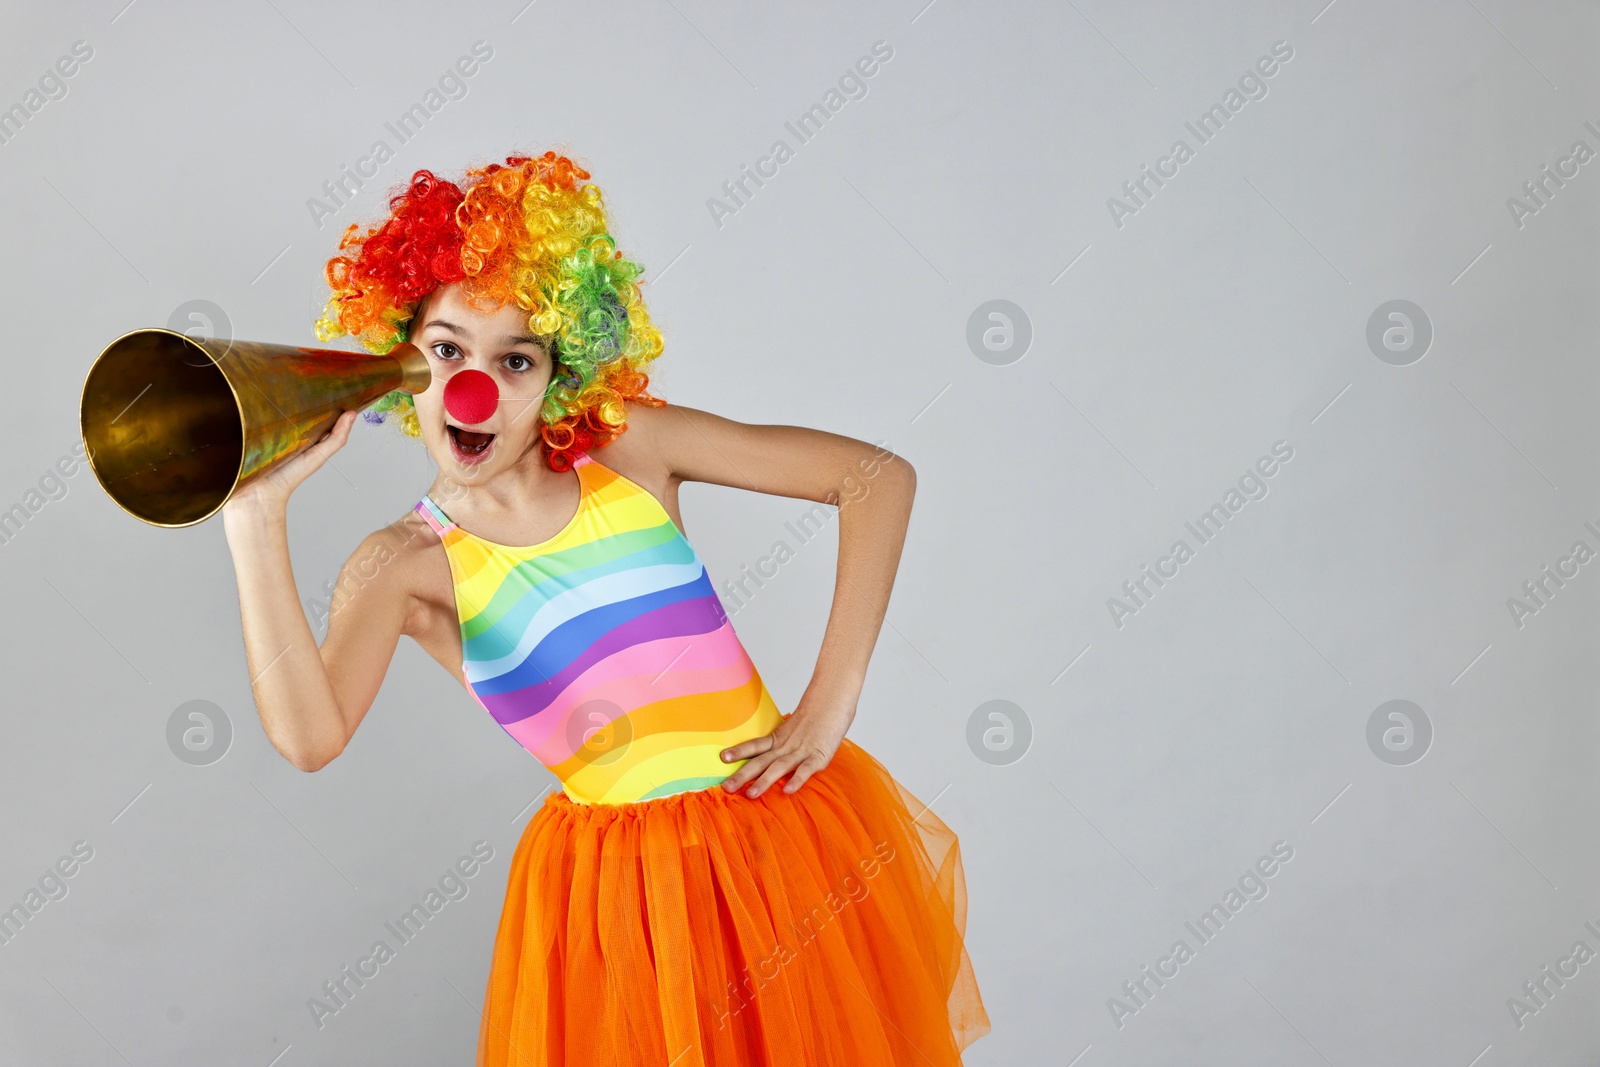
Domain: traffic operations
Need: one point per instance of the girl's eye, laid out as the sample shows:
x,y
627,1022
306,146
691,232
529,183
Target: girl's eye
x,y
525,362
438,350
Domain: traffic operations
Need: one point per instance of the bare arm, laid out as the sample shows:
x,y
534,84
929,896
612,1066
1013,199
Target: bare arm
x,y
310,700
873,489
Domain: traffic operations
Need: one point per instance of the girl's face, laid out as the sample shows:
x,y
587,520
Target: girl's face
x,y
456,337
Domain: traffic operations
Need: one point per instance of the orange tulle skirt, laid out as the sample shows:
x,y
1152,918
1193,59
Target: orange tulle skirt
x,y
823,926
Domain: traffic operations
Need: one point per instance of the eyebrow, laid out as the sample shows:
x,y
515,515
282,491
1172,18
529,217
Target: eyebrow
x,y
509,339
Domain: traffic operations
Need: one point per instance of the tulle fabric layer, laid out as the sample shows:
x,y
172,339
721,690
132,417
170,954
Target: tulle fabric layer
x,y
707,929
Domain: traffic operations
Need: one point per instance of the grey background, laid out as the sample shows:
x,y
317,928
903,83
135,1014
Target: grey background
x,y
1166,754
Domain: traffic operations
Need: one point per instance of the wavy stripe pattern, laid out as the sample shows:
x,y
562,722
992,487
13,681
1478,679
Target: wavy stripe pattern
x,y
604,651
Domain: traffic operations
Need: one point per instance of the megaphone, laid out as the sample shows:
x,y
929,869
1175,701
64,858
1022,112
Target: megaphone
x,y
173,425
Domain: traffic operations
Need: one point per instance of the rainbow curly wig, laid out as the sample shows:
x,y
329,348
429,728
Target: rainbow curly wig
x,y
530,231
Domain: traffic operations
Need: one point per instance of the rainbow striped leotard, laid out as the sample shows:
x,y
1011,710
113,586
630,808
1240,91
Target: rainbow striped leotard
x,y
604,651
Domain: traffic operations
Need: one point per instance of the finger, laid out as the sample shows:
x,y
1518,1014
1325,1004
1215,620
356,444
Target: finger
x,y
338,433
752,768
297,468
809,766
745,749
775,770
328,443
342,428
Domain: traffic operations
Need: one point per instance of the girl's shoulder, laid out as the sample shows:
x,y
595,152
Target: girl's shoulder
x,y
401,571
636,453
405,555
393,573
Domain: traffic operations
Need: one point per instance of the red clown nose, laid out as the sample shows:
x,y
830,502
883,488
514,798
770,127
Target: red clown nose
x,y
471,396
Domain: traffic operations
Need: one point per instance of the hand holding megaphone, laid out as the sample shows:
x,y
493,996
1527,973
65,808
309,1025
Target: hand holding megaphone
x,y
273,486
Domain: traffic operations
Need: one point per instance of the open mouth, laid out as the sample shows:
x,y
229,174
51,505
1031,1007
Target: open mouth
x,y
469,447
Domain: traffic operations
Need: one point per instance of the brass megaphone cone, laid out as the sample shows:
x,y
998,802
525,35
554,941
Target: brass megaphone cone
x,y
173,425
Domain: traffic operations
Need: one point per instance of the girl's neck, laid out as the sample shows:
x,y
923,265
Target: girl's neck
x,y
521,489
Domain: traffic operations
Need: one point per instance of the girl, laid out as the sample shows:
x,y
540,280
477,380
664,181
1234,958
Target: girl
x,y
669,905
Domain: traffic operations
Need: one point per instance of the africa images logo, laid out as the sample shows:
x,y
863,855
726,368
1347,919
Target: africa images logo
x,y
1252,85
